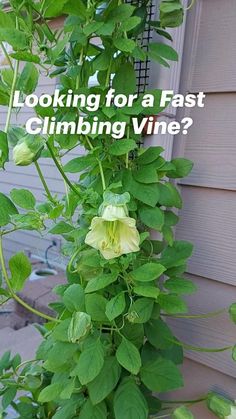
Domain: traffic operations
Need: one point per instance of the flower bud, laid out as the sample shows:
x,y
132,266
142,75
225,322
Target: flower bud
x,y
79,327
223,408
27,150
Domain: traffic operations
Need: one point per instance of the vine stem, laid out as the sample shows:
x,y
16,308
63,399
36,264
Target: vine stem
x,y
13,86
15,296
201,399
99,164
58,165
191,5
196,316
6,55
107,81
48,193
25,363
200,349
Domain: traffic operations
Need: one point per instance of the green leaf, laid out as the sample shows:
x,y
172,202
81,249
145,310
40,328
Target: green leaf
x,y
60,46
161,375
147,291
128,356
76,9
139,54
52,8
90,362
124,81
25,56
152,217
149,155
158,50
73,298
182,413
172,304
6,20
115,306
96,306
148,194
28,79
129,402
120,13
50,393
180,286
4,150
118,148
5,361
169,195
89,411
141,310
105,382
159,334
146,174
13,37
171,13
7,209
67,411
60,332
101,61
147,272
20,268
130,23
53,359
61,228
92,27
100,282
171,219
182,168
177,254
79,163
134,332
23,198
8,396
124,44
232,312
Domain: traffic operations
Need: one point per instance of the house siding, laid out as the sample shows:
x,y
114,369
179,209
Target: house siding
x,y
209,201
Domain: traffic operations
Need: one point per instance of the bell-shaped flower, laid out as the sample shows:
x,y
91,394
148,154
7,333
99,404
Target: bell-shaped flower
x,y
114,233
27,150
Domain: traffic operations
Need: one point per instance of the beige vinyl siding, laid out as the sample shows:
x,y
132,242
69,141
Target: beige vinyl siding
x,y
209,200
198,380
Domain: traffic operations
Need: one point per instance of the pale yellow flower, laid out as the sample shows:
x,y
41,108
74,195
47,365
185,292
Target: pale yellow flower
x,y
114,233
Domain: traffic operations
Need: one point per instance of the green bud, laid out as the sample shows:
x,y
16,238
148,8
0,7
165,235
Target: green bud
x,y
219,405
27,150
182,413
79,326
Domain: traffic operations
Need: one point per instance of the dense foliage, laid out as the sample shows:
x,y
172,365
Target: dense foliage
x,y
108,348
